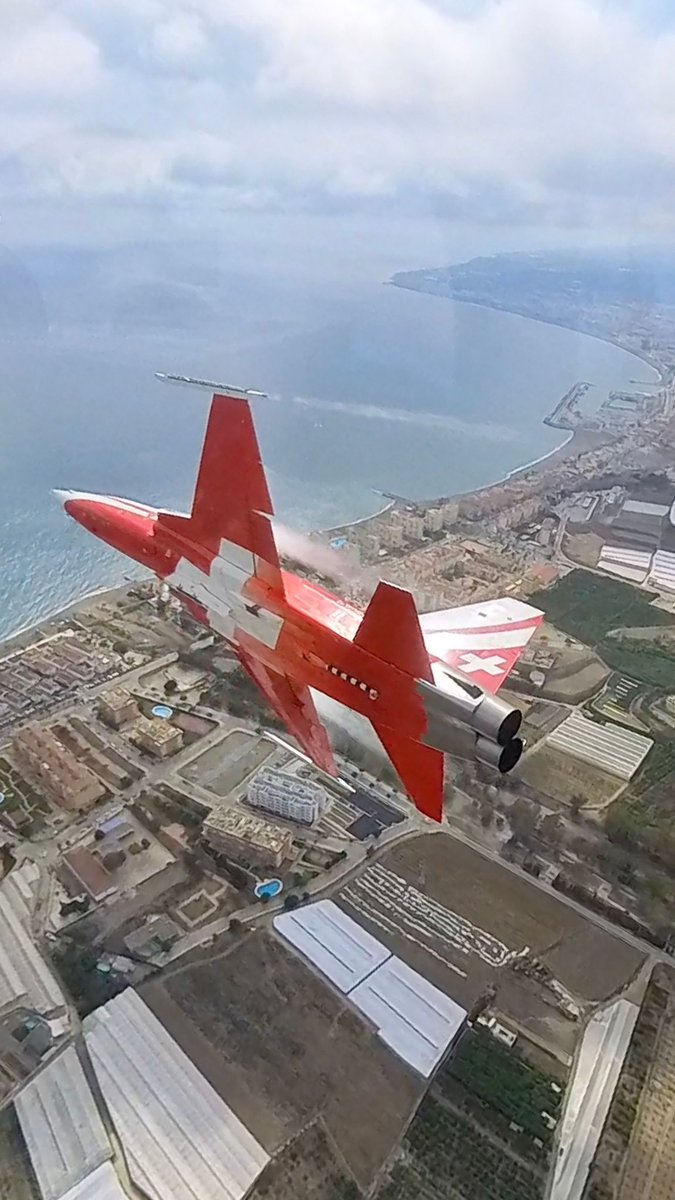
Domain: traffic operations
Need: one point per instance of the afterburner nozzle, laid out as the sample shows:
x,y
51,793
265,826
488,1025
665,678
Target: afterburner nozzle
x,y
503,757
497,720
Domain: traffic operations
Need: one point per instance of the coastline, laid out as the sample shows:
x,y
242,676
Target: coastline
x,y
67,610
574,443
514,312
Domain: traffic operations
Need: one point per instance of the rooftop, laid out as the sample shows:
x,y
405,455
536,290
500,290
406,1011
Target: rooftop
x,y
232,822
25,977
609,747
61,1125
91,873
156,728
179,1137
116,698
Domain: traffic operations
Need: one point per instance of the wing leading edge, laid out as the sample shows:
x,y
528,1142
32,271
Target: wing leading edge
x,y
483,641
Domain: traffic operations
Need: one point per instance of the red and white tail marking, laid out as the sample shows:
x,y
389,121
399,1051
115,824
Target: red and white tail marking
x,y
483,641
232,505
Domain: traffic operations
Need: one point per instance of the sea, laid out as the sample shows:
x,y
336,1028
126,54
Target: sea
x,y
371,388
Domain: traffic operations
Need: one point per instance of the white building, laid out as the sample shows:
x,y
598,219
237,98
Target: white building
x,y
609,747
392,536
61,1126
180,1139
433,520
26,981
450,512
412,1016
412,525
284,794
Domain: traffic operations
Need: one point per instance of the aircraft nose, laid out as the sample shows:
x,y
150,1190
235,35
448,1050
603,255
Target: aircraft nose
x,y
66,498
81,508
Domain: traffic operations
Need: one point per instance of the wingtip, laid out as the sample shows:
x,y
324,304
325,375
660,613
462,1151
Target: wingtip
x,y
209,385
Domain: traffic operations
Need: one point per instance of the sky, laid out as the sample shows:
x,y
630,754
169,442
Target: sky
x,y
126,118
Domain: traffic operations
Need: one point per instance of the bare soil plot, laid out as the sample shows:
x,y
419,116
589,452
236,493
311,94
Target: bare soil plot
x,y
17,1181
649,1171
562,777
282,1048
636,1152
456,917
224,766
574,960
307,1167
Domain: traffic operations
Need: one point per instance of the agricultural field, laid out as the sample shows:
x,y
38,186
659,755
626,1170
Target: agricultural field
x,y
19,793
588,606
307,1167
459,918
17,1181
283,1048
644,816
635,1155
622,701
448,1156
227,764
500,1079
647,661
563,778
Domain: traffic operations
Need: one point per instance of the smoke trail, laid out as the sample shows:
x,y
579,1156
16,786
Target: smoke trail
x,y
338,565
426,420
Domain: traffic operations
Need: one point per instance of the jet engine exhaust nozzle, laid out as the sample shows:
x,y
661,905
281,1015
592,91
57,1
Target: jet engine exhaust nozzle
x,y
503,757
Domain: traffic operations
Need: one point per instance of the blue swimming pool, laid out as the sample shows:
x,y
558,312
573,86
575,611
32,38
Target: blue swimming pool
x,y
268,887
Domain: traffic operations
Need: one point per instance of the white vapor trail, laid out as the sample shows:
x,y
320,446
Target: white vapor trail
x,y
404,416
338,565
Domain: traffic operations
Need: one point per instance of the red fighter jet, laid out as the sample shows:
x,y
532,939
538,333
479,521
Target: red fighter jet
x,y
417,679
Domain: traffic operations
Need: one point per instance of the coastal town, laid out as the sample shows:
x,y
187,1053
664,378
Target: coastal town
x,y
187,897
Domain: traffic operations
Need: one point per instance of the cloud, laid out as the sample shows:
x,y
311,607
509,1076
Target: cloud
x,y
560,113
46,58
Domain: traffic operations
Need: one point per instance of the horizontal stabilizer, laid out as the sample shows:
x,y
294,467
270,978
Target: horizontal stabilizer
x,y
293,704
484,641
390,630
420,768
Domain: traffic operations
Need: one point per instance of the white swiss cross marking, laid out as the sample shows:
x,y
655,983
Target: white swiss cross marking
x,y
494,665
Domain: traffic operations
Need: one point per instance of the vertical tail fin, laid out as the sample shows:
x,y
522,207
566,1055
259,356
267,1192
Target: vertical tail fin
x,y
391,630
231,500
420,768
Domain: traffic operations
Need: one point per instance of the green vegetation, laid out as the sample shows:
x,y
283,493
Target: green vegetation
x,y
237,694
499,1078
17,1179
587,606
88,986
658,766
447,1155
21,796
643,660
643,818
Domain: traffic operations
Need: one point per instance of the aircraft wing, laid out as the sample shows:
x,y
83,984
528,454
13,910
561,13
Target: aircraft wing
x,y
483,641
293,704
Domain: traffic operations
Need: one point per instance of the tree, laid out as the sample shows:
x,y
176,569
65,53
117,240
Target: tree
x,y
551,829
576,804
522,819
170,687
235,925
